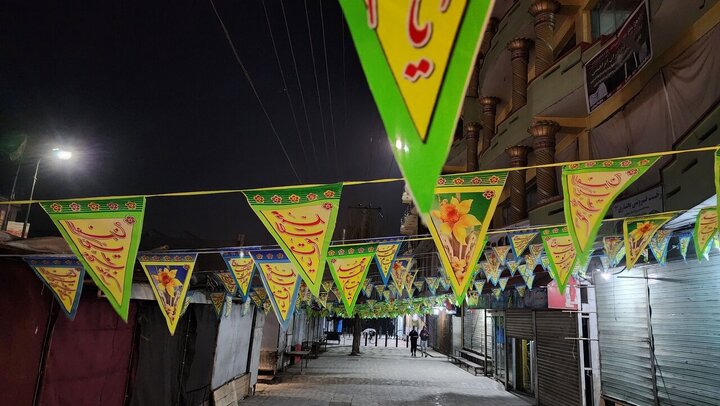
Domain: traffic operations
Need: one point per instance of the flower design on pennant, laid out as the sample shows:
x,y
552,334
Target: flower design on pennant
x,y
56,207
589,164
642,229
131,205
312,196
361,250
489,194
494,179
331,252
441,181
341,252
456,218
329,194
351,251
625,163
554,230
166,280
74,206
643,162
475,180
608,164
113,206
371,249
130,220
458,181
294,198
327,206
574,166
397,267
93,206
458,265
259,199
632,171
276,199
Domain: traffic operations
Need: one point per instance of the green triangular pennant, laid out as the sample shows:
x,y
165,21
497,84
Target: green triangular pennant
x,y
349,266
418,72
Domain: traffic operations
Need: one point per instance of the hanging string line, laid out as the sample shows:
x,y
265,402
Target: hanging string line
x,y
317,83
252,87
351,183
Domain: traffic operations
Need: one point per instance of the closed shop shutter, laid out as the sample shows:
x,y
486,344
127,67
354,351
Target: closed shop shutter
x,y
558,363
686,330
625,363
474,333
518,323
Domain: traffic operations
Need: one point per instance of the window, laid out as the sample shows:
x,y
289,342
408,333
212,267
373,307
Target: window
x,y
609,15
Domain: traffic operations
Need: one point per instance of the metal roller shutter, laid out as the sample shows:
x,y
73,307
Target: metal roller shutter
x,y
625,363
686,330
474,333
558,364
518,323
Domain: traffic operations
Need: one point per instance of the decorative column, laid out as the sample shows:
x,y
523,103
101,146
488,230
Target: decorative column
x,y
544,12
543,133
516,179
519,52
489,108
490,31
473,135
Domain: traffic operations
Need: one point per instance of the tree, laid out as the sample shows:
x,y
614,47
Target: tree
x,y
357,326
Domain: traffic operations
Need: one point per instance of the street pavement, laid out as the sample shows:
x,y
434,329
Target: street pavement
x,y
381,376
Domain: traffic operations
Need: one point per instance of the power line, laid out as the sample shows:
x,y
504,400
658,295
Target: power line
x,y
285,86
297,77
252,87
317,84
327,77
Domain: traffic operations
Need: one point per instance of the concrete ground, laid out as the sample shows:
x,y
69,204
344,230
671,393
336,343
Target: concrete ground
x,y
381,376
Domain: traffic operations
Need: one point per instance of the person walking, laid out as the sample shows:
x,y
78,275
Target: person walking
x,y
413,342
424,337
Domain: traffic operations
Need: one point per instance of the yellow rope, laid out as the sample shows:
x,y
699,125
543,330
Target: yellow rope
x,y
359,182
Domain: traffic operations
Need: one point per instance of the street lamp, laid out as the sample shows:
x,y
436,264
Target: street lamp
x,y
58,153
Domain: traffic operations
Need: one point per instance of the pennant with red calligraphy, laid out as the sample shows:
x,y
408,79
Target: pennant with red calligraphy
x,y
228,281
501,253
417,60
529,280
589,189
433,282
463,207
349,265
386,295
104,235
63,276
368,289
530,261
545,261
409,280
503,283
218,301
560,250
497,293
169,276
399,270
380,289
479,286
704,231
684,243
659,245
242,268
638,232
535,250
418,287
520,290
512,267
385,255
281,280
520,241
302,221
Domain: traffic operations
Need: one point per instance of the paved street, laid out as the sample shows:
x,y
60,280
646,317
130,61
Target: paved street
x,y
381,376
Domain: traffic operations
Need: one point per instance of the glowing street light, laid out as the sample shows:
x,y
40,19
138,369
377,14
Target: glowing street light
x,y
62,154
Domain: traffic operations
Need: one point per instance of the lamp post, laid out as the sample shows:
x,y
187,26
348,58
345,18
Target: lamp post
x,y
59,153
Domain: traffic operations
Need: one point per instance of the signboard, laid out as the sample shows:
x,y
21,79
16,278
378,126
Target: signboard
x,y
648,202
565,301
15,228
620,59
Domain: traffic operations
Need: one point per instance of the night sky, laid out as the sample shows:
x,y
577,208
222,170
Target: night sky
x,y
150,98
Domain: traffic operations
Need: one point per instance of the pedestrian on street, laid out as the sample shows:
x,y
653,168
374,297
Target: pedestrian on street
x,y
424,336
413,342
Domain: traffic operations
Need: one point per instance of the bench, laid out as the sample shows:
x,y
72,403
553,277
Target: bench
x,y
470,365
465,359
332,335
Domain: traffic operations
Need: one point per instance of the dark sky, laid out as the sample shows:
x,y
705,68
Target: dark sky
x,y
149,96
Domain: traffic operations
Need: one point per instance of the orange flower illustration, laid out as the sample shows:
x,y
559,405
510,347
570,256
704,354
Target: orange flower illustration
x,y
642,229
455,218
166,279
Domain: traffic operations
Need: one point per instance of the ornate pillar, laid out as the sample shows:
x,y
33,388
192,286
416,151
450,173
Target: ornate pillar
x,y
519,52
490,31
544,12
543,133
489,106
516,179
473,135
